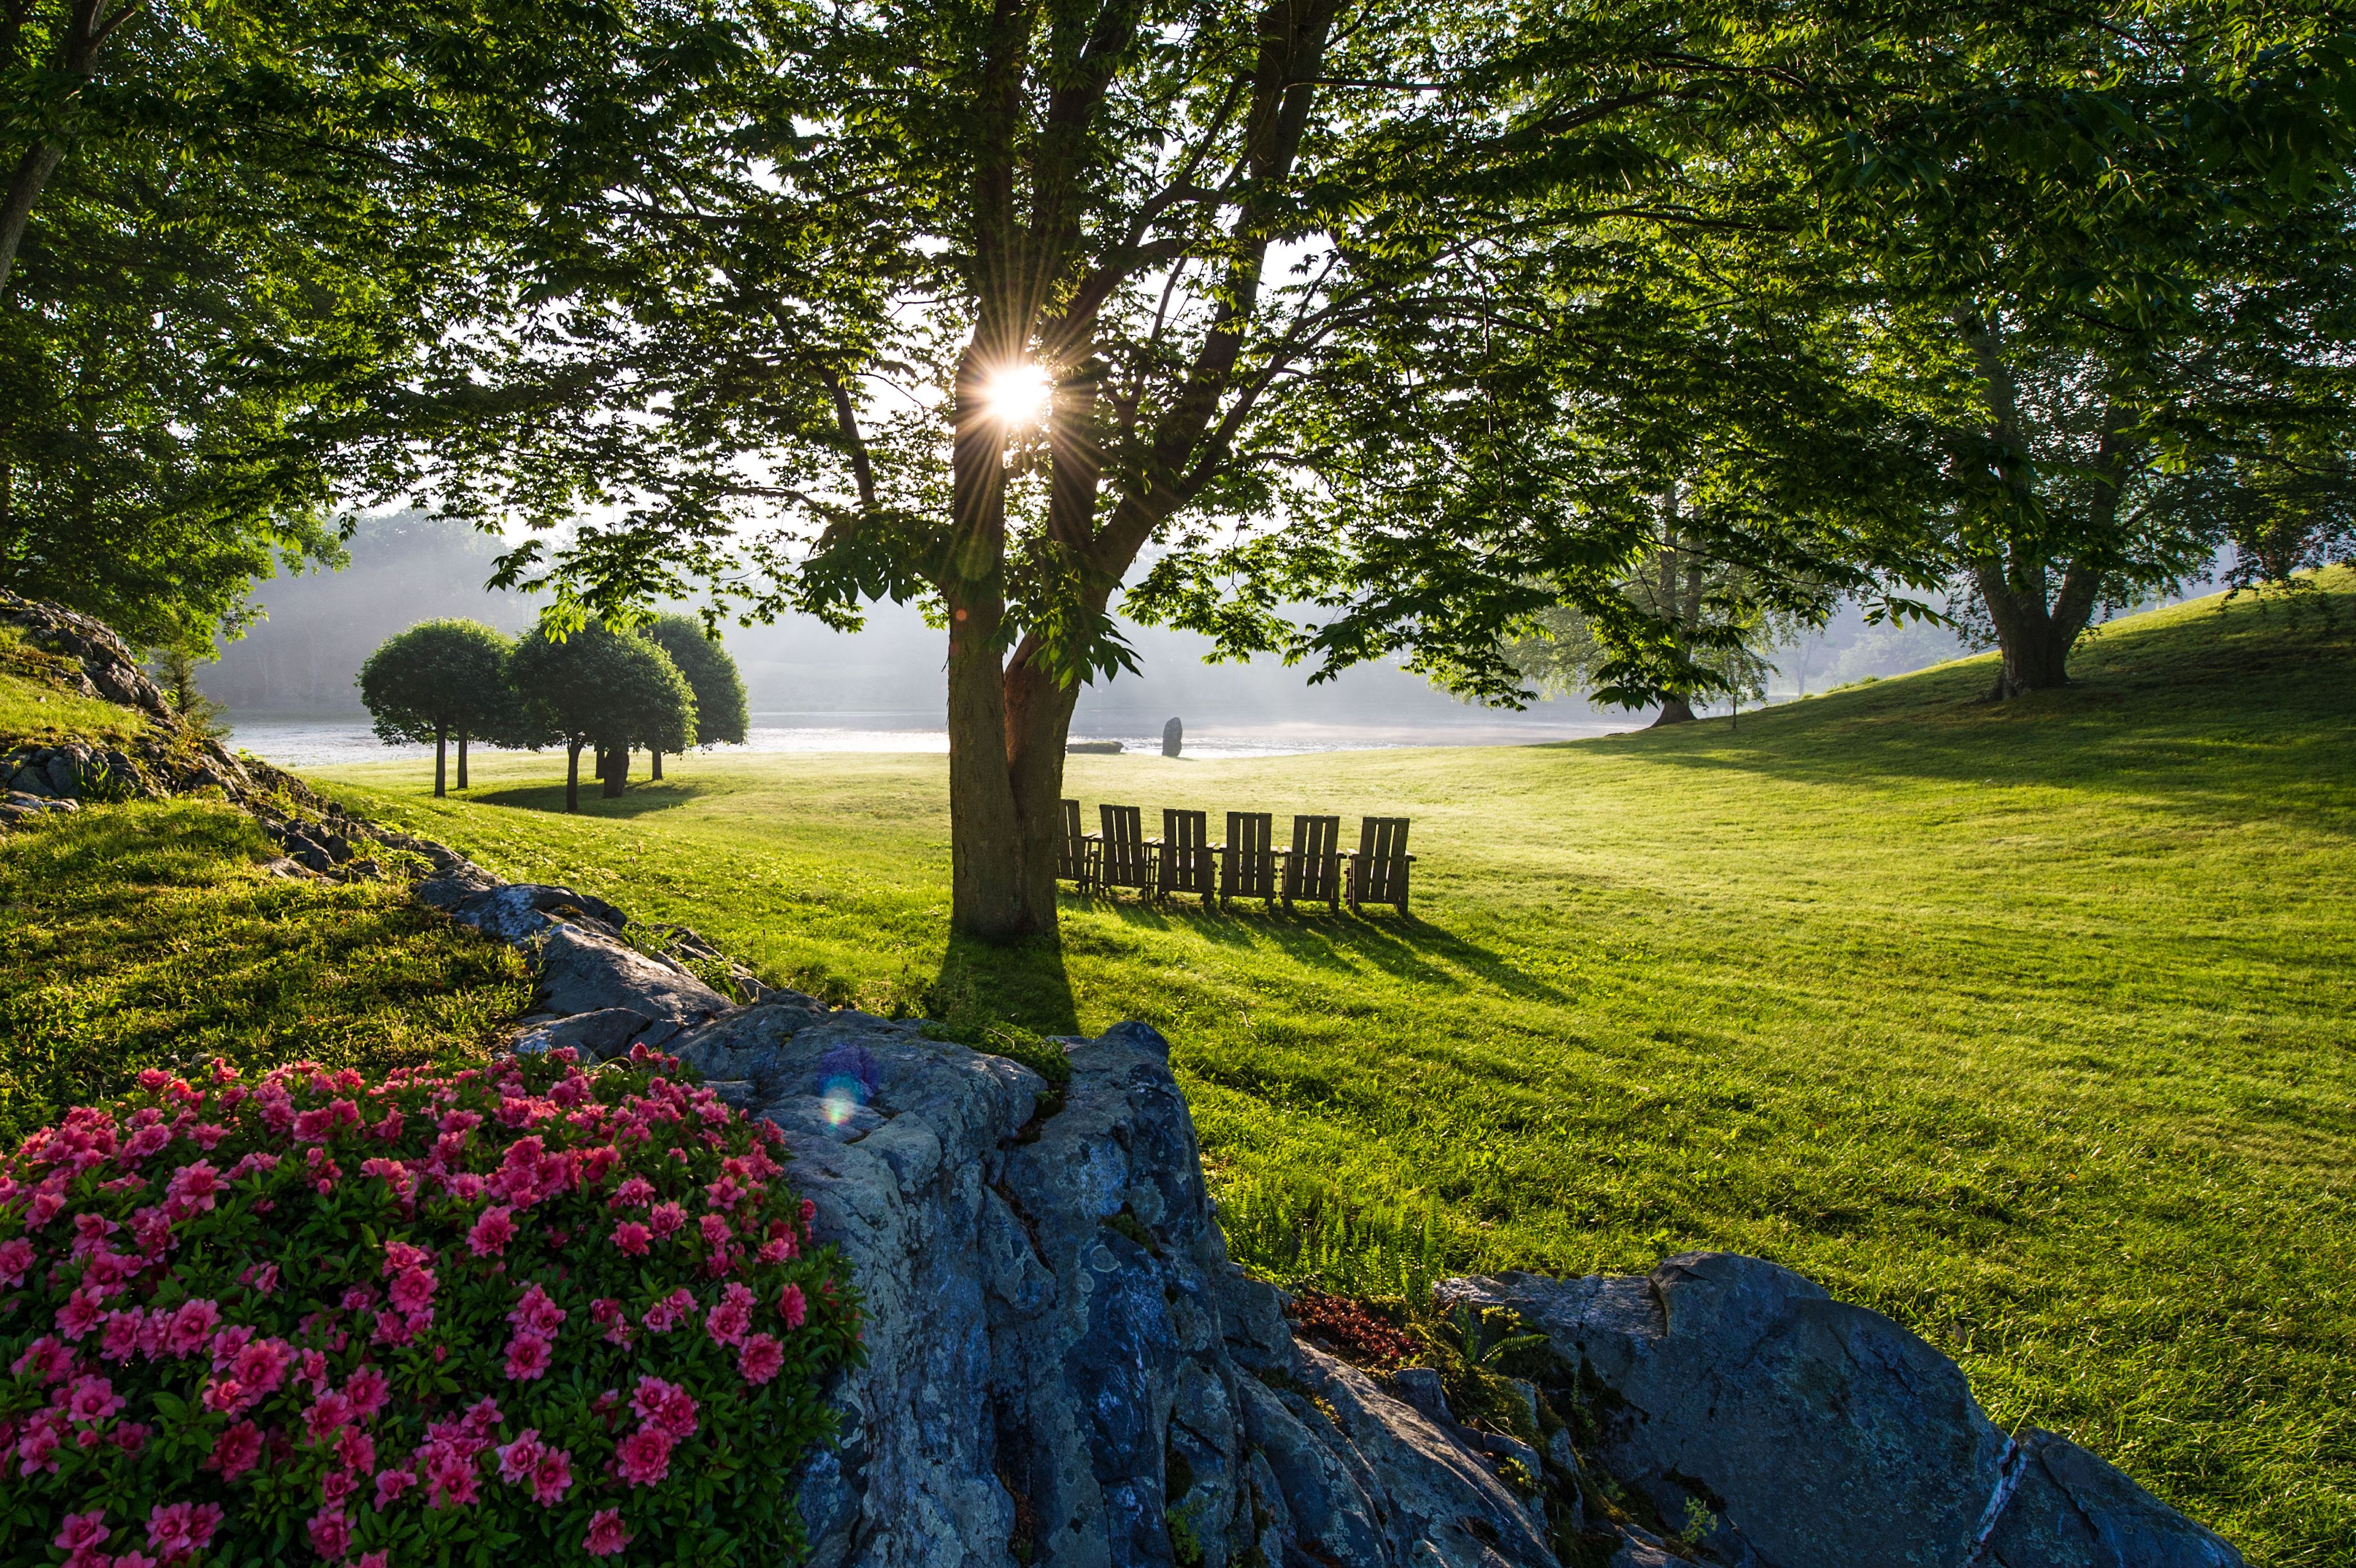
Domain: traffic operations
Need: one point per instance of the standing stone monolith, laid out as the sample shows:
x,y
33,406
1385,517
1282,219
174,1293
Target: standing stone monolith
x,y
1173,733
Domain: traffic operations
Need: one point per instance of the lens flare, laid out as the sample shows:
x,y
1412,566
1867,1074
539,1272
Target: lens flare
x,y
1018,394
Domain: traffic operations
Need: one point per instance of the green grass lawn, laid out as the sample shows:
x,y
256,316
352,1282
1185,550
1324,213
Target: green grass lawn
x,y
2028,1025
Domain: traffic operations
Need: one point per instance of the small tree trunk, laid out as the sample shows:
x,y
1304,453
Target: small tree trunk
x,y
462,759
572,775
654,764
617,771
441,756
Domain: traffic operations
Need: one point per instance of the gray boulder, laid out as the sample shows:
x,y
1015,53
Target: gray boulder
x,y
1793,1430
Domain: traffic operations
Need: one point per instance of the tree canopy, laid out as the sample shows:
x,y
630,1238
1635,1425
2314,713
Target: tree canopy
x,y
437,680
719,710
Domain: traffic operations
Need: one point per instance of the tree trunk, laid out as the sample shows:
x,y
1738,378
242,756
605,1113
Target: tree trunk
x,y
572,776
441,754
617,771
2034,639
462,759
654,761
1675,710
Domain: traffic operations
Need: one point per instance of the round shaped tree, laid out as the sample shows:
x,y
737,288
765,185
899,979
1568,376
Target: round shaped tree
x,y
437,680
600,688
720,712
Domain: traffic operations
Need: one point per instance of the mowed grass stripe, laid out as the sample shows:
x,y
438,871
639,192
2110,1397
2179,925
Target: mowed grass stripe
x,y
2028,1024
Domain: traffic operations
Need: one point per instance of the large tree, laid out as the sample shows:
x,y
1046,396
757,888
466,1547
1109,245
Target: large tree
x,y
437,680
2114,251
230,239
986,302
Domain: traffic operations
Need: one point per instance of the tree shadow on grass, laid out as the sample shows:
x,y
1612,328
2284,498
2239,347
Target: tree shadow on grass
x,y
1404,947
982,990
637,800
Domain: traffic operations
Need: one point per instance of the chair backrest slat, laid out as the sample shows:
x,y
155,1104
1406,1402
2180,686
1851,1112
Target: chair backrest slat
x,y
1125,863
1072,849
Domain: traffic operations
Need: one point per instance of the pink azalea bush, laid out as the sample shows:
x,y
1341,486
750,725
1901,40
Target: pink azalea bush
x,y
529,1308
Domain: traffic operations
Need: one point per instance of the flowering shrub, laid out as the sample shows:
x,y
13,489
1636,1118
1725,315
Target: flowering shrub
x,y
437,1318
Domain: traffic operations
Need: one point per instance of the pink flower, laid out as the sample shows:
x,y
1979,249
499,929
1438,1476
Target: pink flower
x,y
91,1399
518,1458
715,1230
552,1477
776,1248
607,1535
667,1407
192,1326
261,1366
237,1450
145,1142
399,1255
390,1485
192,1187
357,1449
135,1559
15,1260
82,1532
761,1358
643,1458
392,1328
528,1356
492,1232
730,1317
795,1309
182,1527
412,1289
128,1435
37,1448
330,1532
537,1313
46,1355
666,1218
632,1238
367,1389
335,1486
208,1135
636,1192
328,1414
373,1560
80,1314
227,1394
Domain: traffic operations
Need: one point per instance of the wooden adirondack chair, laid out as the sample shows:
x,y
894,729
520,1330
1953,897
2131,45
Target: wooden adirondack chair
x,y
1378,870
1314,869
1076,852
1247,860
1188,864
1124,860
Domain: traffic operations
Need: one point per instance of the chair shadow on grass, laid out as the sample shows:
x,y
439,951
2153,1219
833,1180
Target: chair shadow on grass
x,y
1404,948
637,800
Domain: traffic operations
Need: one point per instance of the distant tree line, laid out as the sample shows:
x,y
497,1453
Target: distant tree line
x,y
663,689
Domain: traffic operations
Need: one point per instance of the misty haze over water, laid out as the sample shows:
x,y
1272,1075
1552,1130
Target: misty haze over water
x,y
289,683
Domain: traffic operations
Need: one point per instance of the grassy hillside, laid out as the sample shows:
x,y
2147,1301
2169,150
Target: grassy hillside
x,y
2029,1025
146,934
